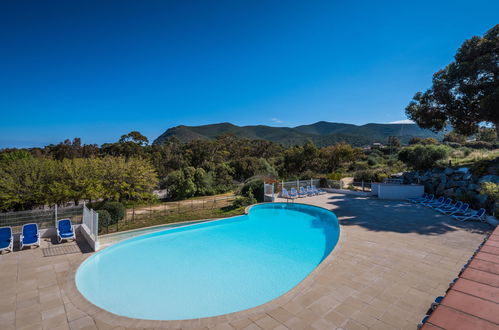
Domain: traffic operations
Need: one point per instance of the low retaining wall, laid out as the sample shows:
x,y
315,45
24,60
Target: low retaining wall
x,y
348,192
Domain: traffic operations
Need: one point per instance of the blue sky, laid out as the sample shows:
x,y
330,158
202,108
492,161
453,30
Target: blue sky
x,y
99,69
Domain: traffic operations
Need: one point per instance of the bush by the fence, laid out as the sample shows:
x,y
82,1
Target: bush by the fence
x,y
256,187
104,219
116,211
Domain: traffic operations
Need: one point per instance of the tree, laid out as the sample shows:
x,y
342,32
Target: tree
x,y
454,137
466,92
415,140
486,134
393,142
421,157
134,137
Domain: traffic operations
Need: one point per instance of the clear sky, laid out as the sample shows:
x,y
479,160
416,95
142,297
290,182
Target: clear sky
x,y
99,69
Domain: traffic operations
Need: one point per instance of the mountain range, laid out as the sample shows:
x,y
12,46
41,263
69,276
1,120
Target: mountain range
x,y
322,133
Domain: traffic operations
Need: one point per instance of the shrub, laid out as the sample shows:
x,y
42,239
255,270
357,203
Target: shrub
x,y
246,200
370,175
372,161
336,176
104,219
480,145
256,187
116,211
421,157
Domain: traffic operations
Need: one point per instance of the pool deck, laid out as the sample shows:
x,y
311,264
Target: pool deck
x,y
392,260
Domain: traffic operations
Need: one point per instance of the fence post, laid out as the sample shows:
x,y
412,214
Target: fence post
x,y
362,185
55,214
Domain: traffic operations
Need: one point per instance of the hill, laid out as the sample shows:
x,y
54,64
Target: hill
x,y
321,133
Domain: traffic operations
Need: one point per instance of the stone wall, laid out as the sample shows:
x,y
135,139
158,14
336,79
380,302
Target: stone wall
x,y
457,183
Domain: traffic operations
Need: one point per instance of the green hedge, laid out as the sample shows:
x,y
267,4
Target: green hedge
x,y
116,211
104,219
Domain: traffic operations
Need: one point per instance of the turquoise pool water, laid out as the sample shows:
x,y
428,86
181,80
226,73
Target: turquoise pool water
x,y
210,268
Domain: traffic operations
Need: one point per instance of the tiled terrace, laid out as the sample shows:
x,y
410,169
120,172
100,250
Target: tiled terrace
x,y
392,260
473,301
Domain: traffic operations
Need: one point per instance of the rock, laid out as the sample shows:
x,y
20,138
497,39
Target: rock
x,y
429,188
481,199
473,186
449,184
489,178
443,178
460,193
468,176
449,193
460,183
440,189
448,171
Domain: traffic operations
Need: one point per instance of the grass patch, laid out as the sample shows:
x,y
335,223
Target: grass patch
x,y
168,216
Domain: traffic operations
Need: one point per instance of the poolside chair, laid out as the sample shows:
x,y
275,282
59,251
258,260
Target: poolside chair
x,y
65,230
285,194
449,207
302,192
310,191
439,201
294,193
460,211
318,191
418,199
443,204
30,235
471,216
6,239
428,199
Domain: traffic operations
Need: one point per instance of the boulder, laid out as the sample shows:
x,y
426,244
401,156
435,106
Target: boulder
x,y
448,171
473,186
460,184
457,176
450,184
449,193
481,199
468,176
460,193
489,178
429,188
440,189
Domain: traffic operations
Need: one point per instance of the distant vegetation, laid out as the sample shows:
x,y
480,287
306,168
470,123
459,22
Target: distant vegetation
x,y
130,169
321,133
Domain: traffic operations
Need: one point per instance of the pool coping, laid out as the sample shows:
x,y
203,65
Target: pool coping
x,y
80,302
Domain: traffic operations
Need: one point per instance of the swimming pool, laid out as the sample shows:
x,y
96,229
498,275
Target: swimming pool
x,y
210,268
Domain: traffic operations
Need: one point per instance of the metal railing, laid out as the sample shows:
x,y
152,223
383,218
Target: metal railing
x,y
332,184
91,222
44,218
166,208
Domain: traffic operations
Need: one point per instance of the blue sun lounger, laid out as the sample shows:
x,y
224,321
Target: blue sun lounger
x,y
428,199
65,230
458,211
433,202
6,239
439,205
302,192
318,191
449,208
471,215
30,235
418,199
